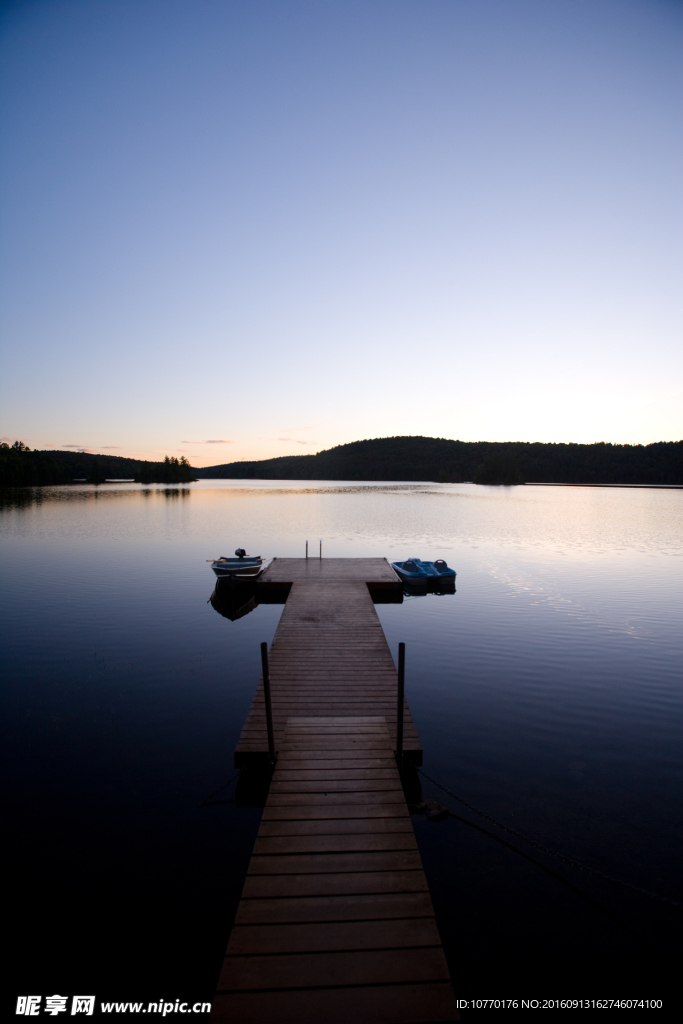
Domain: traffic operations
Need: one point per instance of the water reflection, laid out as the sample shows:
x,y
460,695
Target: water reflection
x,y
21,497
438,587
173,493
111,490
234,600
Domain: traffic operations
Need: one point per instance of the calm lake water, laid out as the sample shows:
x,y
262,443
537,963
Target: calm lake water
x,y
546,691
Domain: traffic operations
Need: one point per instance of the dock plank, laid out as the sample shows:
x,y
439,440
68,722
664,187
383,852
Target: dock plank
x,y
335,843
329,909
337,826
334,884
337,861
332,970
332,936
398,1004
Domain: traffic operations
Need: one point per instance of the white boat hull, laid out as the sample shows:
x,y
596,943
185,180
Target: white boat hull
x,y
238,568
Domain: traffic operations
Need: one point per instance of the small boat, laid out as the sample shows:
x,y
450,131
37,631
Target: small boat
x,y
414,570
241,567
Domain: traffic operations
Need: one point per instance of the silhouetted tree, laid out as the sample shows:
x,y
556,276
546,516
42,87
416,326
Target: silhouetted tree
x,y
96,474
498,470
20,467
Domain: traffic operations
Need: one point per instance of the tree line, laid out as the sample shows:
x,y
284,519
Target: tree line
x,y
386,458
22,467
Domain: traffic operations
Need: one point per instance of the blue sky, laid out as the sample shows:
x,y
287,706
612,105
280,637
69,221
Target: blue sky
x,y
253,228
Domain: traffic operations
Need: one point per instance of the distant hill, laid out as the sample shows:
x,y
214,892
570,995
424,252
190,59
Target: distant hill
x,y
76,464
435,458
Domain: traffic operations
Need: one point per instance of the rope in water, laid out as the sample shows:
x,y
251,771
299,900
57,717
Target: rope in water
x,y
636,934
209,799
544,849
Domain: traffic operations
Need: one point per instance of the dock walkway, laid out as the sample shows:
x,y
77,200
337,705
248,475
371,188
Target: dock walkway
x,y
335,923
329,655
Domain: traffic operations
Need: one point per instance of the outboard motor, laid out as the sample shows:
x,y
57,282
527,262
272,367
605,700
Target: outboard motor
x,y
240,552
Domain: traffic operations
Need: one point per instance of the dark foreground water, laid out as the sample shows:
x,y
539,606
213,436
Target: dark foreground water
x,y
547,693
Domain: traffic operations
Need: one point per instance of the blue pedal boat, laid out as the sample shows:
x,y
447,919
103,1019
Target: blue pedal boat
x,y
414,570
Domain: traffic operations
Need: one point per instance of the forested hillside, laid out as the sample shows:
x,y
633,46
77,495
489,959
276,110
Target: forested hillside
x,y
21,467
433,458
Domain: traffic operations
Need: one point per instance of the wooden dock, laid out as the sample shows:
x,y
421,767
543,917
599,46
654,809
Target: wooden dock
x,y
335,923
329,655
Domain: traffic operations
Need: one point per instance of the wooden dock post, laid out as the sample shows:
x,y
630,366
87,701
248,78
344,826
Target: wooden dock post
x,y
269,704
399,706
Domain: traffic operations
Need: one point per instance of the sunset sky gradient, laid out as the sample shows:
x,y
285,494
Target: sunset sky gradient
x,y
266,227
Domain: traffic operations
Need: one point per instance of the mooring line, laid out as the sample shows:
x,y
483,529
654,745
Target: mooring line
x,y
564,881
209,799
551,853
